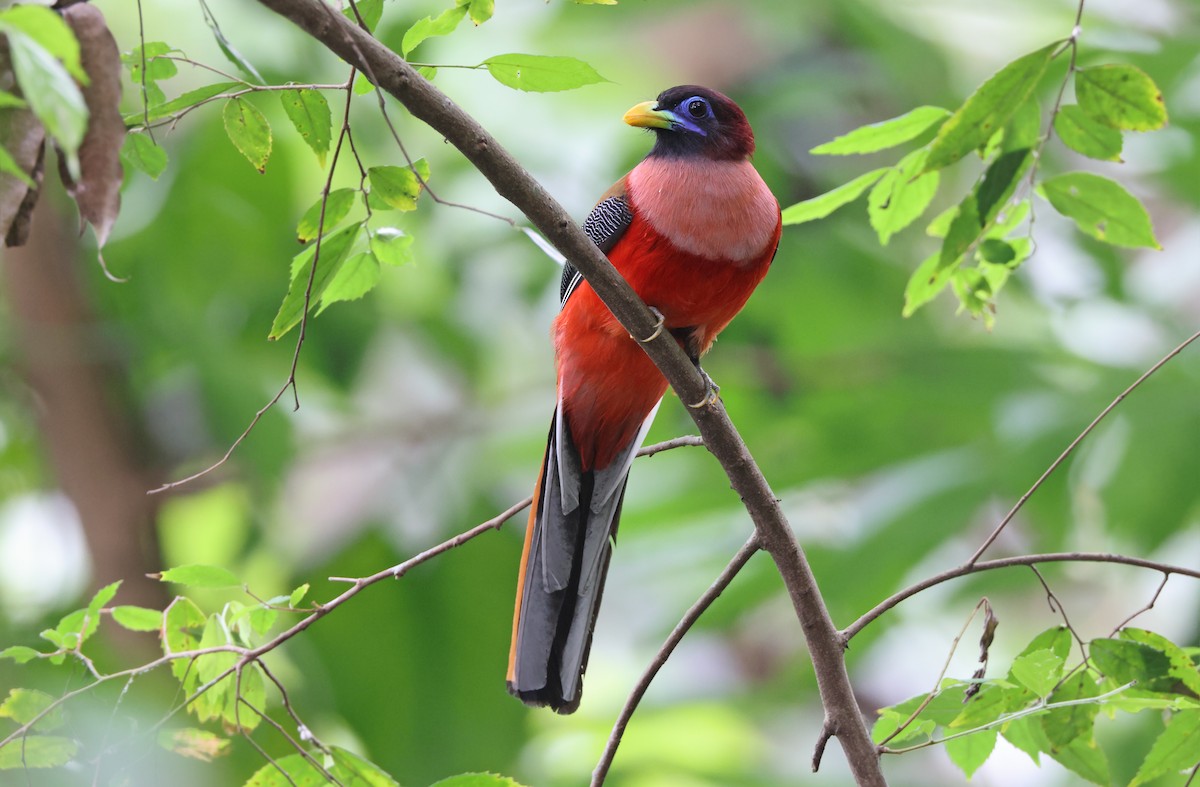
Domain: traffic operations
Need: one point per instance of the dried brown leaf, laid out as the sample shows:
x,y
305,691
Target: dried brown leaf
x,y
98,191
22,137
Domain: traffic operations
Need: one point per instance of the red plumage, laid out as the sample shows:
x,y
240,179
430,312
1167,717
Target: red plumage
x,y
693,229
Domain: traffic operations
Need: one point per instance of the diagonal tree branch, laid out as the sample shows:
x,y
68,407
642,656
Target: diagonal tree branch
x,y
428,104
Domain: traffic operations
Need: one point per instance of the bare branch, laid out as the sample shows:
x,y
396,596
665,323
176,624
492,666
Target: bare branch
x,y
685,624
1008,562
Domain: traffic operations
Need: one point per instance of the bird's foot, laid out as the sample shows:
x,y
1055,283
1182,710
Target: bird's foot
x,y
658,327
713,394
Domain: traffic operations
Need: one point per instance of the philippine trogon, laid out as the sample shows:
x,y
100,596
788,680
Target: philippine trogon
x,y
693,229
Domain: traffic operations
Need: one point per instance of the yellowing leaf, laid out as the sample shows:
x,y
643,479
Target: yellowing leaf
x,y
309,112
249,131
1121,96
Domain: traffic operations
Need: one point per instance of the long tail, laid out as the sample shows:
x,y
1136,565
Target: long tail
x,y
568,544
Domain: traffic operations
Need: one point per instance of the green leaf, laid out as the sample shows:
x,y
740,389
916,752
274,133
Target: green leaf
x,y
397,187
821,206
1177,748
25,705
541,74
336,208
231,54
429,72
441,25
295,770
157,67
885,134
997,252
1084,134
49,31
20,653
298,595
9,165
11,101
1101,208
362,85
1040,670
183,101
1125,661
1024,128
1120,96
1026,734
477,780
358,275
249,131
212,703
391,246
138,618
971,751
988,109
992,701
965,228
1086,759
182,623
262,618
1000,181
371,12
479,10
334,249
309,112
252,689
901,195
102,597
138,151
919,731
37,751
929,279
1183,668
200,576
51,92
1073,722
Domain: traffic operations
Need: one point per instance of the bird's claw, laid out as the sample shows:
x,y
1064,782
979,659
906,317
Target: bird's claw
x,y
711,396
658,328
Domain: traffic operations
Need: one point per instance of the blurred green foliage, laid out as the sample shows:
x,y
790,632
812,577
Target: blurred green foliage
x,y
895,444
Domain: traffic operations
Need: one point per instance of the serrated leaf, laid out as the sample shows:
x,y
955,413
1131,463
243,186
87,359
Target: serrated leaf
x,y
821,206
397,187
249,131
20,653
540,73
971,751
208,667
139,152
988,109
37,751
49,31
1084,134
156,66
334,249
298,595
194,743
901,195
25,705
1026,734
371,12
51,92
1121,96
197,575
358,275
431,26
295,770
884,134
1073,722
1086,759
1040,670
1124,660
1101,208
182,624
1175,749
336,208
1183,668
138,618
309,112
988,705
889,722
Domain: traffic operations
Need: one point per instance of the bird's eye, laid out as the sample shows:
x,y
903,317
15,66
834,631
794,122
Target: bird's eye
x,y
697,108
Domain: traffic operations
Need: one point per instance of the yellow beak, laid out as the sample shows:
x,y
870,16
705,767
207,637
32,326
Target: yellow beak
x,y
644,115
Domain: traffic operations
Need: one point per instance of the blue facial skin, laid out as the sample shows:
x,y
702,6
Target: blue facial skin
x,y
686,112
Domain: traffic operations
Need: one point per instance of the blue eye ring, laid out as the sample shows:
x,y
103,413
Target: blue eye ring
x,y
697,108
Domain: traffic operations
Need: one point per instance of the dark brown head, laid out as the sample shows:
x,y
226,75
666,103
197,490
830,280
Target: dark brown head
x,y
690,120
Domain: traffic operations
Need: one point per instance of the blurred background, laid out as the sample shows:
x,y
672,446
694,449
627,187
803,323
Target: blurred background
x,y
895,444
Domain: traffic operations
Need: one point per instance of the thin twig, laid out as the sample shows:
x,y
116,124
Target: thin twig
x,y
1008,562
1145,609
689,619
1074,443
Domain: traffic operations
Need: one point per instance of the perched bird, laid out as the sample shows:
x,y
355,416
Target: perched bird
x,y
693,229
